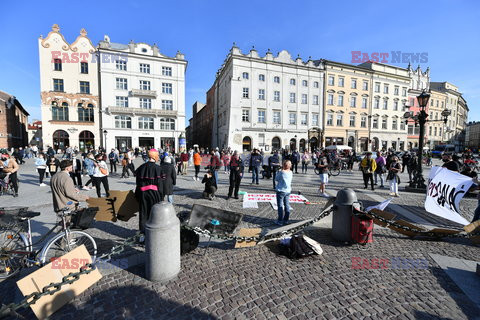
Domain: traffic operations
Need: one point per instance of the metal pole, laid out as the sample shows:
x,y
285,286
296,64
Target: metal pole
x,y
419,181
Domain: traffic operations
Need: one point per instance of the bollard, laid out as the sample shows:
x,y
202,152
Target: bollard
x,y
162,243
342,215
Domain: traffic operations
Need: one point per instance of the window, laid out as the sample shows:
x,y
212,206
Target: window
x,y
341,81
436,115
57,64
121,84
305,83
339,120
365,85
292,97
384,123
354,83
85,113
261,116
245,115
261,77
315,99
292,118
276,95
304,119
145,123
58,85
145,103
352,120
304,98
329,119
276,79
276,117
442,104
377,103
167,124
85,87
167,104
315,119
340,100
385,104
245,93
394,124
121,65
315,84
435,131
60,113
145,85
123,122
245,75
375,123
330,99
363,122
292,82
439,131
261,94
395,105
404,92
353,102
396,90
410,129
167,88
167,71
364,102
385,88
377,86
331,80
402,125
121,101
84,67
430,131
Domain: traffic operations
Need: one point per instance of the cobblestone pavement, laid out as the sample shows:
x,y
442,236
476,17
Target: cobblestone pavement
x,y
258,283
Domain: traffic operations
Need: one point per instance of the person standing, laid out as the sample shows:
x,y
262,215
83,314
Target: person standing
x,y
295,159
113,158
394,168
210,186
405,160
368,167
52,165
197,161
100,175
274,163
256,160
125,167
322,165
76,173
215,165
381,168
149,187
10,167
226,160
169,178
283,189
41,164
236,174
63,190
89,164
412,166
305,161
184,162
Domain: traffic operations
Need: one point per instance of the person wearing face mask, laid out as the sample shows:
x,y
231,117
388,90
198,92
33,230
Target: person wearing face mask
x,y
41,164
394,168
236,174
449,163
10,167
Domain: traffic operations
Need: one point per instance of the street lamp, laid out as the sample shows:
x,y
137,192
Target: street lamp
x,y
105,140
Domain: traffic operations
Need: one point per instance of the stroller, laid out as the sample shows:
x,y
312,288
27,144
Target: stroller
x,y
266,172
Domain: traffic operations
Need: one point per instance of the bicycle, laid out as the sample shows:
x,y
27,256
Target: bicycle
x,y
332,170
6,187
16,247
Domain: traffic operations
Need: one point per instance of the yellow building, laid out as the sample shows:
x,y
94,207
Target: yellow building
x,y
435,129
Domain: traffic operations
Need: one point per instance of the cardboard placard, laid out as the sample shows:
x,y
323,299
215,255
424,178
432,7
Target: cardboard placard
x,y
125,204
247,232
53,273
383,214
472,227
105,212
405,232
442,231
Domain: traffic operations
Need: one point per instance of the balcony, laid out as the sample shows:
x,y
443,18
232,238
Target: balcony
x,y
143,93
141,111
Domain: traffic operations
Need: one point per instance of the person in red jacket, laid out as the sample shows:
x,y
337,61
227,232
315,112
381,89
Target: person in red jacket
x,y
184,162
215,164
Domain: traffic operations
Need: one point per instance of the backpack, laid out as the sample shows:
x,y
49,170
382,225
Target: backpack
x,y
297,248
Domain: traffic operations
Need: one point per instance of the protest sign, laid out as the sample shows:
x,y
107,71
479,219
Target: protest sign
x,y
250,198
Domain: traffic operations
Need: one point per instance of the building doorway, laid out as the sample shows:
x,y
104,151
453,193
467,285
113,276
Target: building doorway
x,y
146,142
313,144
351,142
86,140
61,140
302,145
123,143
167,144
247,144
293,144
276,143
375,144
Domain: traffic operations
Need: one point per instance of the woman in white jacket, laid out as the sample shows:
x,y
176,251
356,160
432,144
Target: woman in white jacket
x,y
41,164
100,175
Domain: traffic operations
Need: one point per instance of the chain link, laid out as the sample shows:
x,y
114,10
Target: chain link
x,y
10,309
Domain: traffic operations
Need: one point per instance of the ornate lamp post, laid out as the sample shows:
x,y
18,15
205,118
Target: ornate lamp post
x,y
421,119
105,140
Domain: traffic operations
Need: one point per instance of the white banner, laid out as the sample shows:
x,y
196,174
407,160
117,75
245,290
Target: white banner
x,y
250,200
445,190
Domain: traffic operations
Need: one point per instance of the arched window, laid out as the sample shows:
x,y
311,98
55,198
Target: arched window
x,y
85,112
145,123
293,144
276,143
86,140
247,144
123,122
167,124
60,139
60,113
292,81
302,145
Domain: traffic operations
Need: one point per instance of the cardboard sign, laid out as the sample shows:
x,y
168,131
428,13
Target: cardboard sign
x,y
106,211
125,204
53,273
245,232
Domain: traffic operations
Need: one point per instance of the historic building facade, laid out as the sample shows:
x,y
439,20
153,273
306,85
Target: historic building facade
x,y
69,91
268,102
142,96
436,128
13,122
347,101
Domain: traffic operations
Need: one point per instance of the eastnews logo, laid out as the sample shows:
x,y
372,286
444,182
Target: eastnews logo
x,y
392,57
394,263
75,263
76,57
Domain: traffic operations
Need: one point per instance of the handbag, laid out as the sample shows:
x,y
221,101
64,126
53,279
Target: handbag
x,y
103,171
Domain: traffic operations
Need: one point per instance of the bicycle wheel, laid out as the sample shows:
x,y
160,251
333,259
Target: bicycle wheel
x,y
334,172
60,245
10,263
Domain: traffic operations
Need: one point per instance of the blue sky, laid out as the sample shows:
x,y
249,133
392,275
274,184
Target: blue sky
x,y
449,31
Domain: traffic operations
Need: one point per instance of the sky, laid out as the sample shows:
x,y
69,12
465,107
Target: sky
x,y
447,30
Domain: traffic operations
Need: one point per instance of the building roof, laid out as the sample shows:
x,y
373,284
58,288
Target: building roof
x,y
7,97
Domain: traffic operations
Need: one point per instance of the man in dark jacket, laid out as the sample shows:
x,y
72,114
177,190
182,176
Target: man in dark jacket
x,y
236,174
274,163
256,161
210,185
149,187
169,178
295,158
113,158
405,160
76,173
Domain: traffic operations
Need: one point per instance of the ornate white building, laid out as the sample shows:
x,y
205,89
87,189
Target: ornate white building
x,y
69,91
142,96
268,102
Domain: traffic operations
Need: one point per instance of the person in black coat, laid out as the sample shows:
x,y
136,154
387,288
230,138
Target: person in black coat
x,y
149,190
52,165
76,173
169,178
210,185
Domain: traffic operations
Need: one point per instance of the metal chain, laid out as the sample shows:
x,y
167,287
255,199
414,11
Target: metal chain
x,y
10,309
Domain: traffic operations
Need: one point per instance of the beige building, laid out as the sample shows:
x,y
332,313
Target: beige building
x,y
69,91
436,128
347,103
